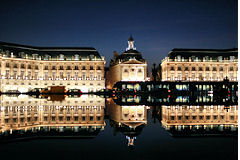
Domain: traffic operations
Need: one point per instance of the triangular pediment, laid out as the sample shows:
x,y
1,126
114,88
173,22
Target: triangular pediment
x,y
133,61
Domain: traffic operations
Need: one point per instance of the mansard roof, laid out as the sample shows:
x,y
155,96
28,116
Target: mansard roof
x,y
54,52
202,52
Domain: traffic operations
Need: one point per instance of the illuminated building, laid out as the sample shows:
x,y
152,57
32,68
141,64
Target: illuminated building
x,y
128,66
24,68
129,120
200,65
194,119
25,113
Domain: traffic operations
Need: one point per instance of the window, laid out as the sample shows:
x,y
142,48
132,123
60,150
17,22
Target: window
x,y
231,68
91,67
221,68
178,58
84,75
172,117
179,69
36,67
22,66
29,75
186,68
214,69
76,67
207,69
200,69
46,57
83,67
98,68
207,58
61,75
53,67
91,75
53,75
98,118
83,118
36,75
46,75
200,76
172,68
232,58
76,75
7,65
35,56
61,57
76,57
15,74
172,76
69,75
193,69
75,118
45,67
125,70
68,68
22,74
15,66
99,76
179,76
220,58
29,66
193,76
61,68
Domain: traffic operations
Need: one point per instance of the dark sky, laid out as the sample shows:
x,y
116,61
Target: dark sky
x,y
157,26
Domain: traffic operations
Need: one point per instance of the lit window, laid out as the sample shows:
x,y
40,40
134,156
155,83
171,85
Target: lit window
x,y
61,57
68,75
76,57
91,75
84,75
99,75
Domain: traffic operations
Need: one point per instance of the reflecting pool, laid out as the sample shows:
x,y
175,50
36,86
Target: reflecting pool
x,y
93,127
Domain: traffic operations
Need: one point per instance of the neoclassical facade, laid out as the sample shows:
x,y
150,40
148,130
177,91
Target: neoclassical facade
x,y
128,66
24,68
200,65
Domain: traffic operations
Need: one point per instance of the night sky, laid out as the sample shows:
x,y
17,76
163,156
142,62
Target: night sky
x,y
157,26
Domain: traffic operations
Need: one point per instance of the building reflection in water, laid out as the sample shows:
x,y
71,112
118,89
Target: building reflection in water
x,y
83,117
200,120
28,116
129,120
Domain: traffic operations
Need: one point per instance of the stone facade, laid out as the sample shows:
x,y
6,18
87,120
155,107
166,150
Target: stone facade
x,y
75,68
200,65
129,66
